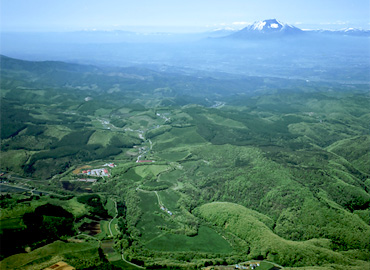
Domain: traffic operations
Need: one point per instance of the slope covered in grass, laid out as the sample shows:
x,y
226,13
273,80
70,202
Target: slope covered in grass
x,y
76,254
263,243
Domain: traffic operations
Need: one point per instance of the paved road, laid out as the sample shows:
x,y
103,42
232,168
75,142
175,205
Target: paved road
x,y
32,190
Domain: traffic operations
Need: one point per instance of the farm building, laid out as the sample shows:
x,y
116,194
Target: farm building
x,y
111,165
97,172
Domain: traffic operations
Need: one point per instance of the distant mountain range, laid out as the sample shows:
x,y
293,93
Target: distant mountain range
x,y
274,28
345,32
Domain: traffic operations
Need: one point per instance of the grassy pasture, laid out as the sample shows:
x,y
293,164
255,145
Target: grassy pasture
x,y
72,206
263,242
177,137
104,227
111,207
74,253
123,265
131,174
124,110
102,112
171,176
13,160
150,170
173,155
57,131
207,240
20,209
101,137
124,156
11,223
159,185
354,150
219,120
150,220
189,164
169,198
113,227
107,246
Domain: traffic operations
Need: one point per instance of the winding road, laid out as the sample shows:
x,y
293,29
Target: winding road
x,y
138,266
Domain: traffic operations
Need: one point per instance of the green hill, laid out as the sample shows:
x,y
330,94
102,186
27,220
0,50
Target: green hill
x,y
264,244
79,255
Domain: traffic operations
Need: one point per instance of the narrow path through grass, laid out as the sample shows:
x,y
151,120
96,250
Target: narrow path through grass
x,y
110,222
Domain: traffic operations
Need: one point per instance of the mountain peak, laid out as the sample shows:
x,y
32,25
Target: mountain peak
x,y
267,24
270,27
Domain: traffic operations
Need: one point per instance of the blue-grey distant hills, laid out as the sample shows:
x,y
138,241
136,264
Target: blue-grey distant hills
x,y
345,32
273,28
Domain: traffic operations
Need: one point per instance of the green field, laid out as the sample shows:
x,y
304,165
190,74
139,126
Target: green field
x,y
169,198
104,230
150,170
151,220
177,137
11,223
264,242
131,174
171,176
173,156
76,254
207,240
124,265
102,137
113,227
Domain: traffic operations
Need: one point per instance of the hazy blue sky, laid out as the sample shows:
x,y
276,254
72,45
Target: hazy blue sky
x,y
175,15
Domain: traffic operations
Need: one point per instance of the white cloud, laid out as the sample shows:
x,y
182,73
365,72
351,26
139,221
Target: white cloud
x,y
240,23
229,26
334,23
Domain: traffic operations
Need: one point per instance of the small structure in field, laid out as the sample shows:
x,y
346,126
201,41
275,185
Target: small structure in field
x,y
144,161
89,180
60,266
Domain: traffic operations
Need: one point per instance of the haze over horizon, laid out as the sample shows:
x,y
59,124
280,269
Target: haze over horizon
x,y
173,16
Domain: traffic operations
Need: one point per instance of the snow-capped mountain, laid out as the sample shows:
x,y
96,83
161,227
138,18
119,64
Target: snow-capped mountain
x,y
267,28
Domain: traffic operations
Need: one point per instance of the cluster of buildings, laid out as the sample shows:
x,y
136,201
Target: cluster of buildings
x,y
96,172
111,165
166,210
163,117
250,265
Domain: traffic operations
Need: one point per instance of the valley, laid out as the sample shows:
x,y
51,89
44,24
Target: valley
x,y
142,172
